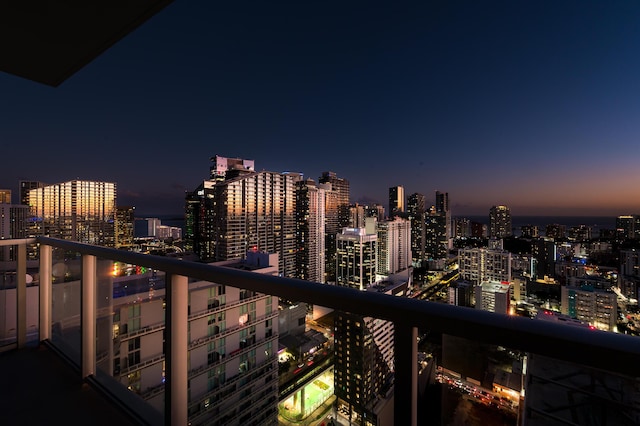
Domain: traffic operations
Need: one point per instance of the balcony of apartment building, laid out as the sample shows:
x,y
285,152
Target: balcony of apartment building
x,y
61,338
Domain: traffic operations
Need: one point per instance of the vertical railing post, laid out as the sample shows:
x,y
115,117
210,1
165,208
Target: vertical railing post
x,y
88,315
45,292
405,410
177,320
21,295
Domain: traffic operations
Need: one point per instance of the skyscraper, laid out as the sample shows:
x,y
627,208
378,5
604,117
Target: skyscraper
x,y
356,258
77,210
25,187
364,352
442,208
310,225
124,227
416,212
336,218
396,201
394,246
5,196
247,210
628,226
500,222
436,242
13,224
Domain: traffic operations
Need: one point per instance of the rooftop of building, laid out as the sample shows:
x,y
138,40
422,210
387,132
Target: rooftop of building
x,y
495,286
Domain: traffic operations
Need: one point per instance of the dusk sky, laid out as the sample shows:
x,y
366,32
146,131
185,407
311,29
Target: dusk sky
x,y
532,104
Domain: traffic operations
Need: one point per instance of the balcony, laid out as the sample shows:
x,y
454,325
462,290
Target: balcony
x,y
58,331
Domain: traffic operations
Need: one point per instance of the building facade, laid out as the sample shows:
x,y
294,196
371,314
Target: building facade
x,y
479,264
310,230
396,201
416,205
394,246
233,344
248,210
125,226
493,296
500,222
83,211
336,218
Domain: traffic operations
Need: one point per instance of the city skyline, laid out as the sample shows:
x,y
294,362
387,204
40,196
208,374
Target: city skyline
x,y
530,105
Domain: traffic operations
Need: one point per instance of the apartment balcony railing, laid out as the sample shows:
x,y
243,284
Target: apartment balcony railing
x,y
614,353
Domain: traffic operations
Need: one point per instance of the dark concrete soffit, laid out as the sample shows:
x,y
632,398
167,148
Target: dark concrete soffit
x,y
48,41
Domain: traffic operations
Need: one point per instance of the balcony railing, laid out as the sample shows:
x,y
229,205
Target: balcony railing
x,y
615,353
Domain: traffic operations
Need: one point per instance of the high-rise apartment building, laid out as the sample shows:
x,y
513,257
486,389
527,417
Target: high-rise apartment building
x,y
246,211
478,265
357,252
555,231
394,246
629,277
529,231
436,243
310,225
125,226
493,296
478,230
597,307
396,201
25,187
233,345
544,253
628,226
580,233
364,351
77,210
5,196
500,222
443,209
152,226
358,214
13,224
336,218
462,227
416,205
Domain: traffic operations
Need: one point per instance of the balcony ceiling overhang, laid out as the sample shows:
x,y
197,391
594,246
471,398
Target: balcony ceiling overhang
x,y
48,41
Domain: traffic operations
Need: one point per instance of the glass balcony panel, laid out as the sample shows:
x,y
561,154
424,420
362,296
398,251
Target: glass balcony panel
x,y
561,392
477,379
238,350
130,331
9,300
66,300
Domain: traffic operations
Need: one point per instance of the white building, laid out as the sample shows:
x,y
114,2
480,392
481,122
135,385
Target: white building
x,y
480,264
588,304
493,296
394,246
233,344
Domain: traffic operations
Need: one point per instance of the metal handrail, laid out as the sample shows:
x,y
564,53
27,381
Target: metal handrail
x,y
592,348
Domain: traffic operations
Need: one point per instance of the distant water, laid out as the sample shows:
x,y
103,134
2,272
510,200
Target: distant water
x,y
595,222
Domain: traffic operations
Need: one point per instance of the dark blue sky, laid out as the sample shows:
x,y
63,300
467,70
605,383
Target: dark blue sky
x,y
533,104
